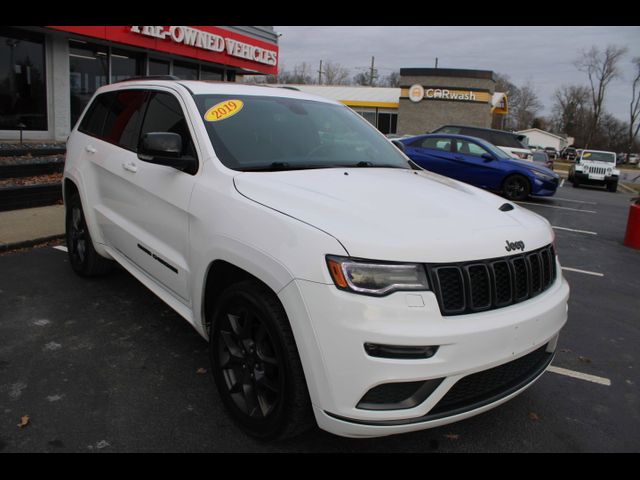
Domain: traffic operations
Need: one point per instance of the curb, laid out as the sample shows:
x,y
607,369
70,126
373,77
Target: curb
x,y
7,247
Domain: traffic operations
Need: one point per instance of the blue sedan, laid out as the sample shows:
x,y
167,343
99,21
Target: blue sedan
x,y
479,163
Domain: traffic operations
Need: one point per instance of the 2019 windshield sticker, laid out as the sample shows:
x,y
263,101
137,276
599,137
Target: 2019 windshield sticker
x,y
223,110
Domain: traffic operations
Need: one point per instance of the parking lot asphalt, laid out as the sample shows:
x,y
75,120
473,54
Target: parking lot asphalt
x,y
105,366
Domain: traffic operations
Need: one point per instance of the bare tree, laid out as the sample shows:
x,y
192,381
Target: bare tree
x,y
601,67
571,113
336,74
528,105
391,80
362,78
634,107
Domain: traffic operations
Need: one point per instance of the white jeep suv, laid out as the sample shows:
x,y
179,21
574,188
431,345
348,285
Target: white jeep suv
x,y
595,167
334,279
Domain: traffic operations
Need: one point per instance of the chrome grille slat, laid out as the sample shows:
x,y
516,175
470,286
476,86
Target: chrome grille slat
x,y
469,287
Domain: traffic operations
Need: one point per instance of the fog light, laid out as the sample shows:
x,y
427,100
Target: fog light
x,y
400,352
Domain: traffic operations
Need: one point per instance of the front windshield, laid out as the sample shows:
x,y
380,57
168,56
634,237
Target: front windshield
x,y
277,133
599,157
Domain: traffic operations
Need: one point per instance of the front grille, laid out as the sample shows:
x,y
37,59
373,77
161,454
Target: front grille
x,y
487,386
595,170
477,286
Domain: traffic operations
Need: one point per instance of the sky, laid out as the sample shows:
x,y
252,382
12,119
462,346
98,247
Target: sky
x,y
542,56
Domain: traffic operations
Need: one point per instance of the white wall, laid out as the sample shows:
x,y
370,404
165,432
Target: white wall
x,y
544,139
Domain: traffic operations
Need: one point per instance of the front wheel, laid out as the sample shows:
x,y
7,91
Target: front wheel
x,y
612,186
516,187
255,363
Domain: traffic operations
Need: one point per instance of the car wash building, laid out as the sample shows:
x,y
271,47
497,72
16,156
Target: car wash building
x,y
48,74
431,97
427,99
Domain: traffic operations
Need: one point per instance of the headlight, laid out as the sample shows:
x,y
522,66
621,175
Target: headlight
x,y
376,278
542,176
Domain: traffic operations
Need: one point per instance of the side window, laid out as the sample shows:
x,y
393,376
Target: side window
x,y
451,130
164,114
93,121
469,148
472,132
436,143
122,124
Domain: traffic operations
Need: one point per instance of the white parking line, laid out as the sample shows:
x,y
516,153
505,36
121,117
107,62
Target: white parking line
x,y
574,201
586,272
573,230
555,206
62,248
562,183
580,375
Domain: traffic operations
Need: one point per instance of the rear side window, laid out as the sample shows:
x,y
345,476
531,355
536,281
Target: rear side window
x,y
164,114
435,143
503,139
123,119
93,121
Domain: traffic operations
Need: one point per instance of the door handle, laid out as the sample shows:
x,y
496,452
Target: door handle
x,y
130,167
90,149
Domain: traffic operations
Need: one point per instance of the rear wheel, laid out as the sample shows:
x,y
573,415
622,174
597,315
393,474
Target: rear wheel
x,y
84,260
516,187
255,363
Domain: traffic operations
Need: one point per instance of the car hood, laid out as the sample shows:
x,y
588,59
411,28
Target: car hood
x,y
397,214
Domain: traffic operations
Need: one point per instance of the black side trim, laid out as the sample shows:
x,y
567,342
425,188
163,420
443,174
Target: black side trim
x,y
155,257
528,379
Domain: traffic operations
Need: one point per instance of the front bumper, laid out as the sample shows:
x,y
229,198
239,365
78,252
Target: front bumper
x,y
332,326
544,188
584,179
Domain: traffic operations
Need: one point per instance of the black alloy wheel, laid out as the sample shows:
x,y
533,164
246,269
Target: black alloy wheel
x,y
77,236
252,370
255,363
516,187
84,260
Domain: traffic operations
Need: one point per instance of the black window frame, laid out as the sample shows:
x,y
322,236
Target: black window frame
x,y
150,93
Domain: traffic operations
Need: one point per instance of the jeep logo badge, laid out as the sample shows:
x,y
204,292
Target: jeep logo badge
x,y
519,245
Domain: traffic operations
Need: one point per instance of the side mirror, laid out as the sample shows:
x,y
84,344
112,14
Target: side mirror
x,y
165,148
398,144
487,157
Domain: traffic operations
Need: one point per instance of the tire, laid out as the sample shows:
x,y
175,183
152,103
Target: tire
x,y
612,187
516,187
83,258
255,364
575,183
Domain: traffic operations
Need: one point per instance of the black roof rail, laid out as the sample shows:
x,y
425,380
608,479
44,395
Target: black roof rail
x,y
149,77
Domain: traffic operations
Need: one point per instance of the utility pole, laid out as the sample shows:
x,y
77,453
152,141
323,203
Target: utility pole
x,y
320,72
436,62
373,74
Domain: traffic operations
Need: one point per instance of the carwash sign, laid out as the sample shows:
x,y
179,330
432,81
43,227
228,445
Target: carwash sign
x,y
416,93
210,44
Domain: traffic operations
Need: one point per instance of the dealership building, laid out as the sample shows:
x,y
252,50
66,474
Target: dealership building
x,y
48,74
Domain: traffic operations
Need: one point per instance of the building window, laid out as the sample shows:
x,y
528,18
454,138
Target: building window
x,y
387,122
23,91
88,71
125,65
159,67
208,73
369,116
185,71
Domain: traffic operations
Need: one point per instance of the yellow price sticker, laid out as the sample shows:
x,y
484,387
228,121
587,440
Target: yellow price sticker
x,y
223,110
586,155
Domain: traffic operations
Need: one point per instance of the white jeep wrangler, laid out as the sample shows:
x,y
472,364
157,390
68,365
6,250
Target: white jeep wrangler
x,y
595,167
